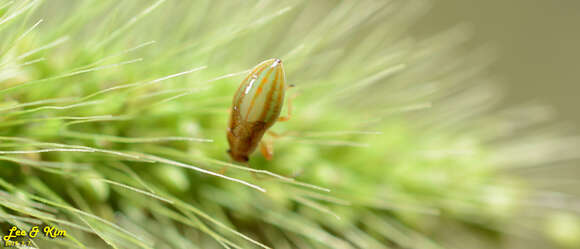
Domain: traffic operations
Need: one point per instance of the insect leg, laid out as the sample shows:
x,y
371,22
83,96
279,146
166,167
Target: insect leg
x,y
289,104
267,149
280,135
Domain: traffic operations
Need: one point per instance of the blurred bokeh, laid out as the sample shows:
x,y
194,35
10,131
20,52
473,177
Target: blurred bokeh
x,y
537,44
537,61
398,119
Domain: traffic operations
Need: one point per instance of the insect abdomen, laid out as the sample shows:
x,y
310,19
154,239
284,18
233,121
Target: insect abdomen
x,y
261,94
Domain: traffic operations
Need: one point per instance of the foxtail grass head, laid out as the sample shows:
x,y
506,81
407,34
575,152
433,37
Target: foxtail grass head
x,y
113,114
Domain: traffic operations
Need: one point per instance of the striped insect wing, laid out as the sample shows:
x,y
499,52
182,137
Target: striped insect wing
x,y
261,94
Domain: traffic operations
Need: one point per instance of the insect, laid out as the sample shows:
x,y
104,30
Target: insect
x,y
256,107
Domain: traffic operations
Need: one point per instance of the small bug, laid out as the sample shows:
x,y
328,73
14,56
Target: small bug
x,y
256,107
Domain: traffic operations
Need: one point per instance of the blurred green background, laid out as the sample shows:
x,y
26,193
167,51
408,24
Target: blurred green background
x,y
439,176
537,44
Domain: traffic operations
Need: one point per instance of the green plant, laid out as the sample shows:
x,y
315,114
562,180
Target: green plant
x,y
113,117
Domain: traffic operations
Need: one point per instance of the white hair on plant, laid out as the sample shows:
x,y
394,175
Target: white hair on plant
x,y
113,115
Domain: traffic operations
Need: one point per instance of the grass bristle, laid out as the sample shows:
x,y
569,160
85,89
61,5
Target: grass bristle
x,y
113,117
